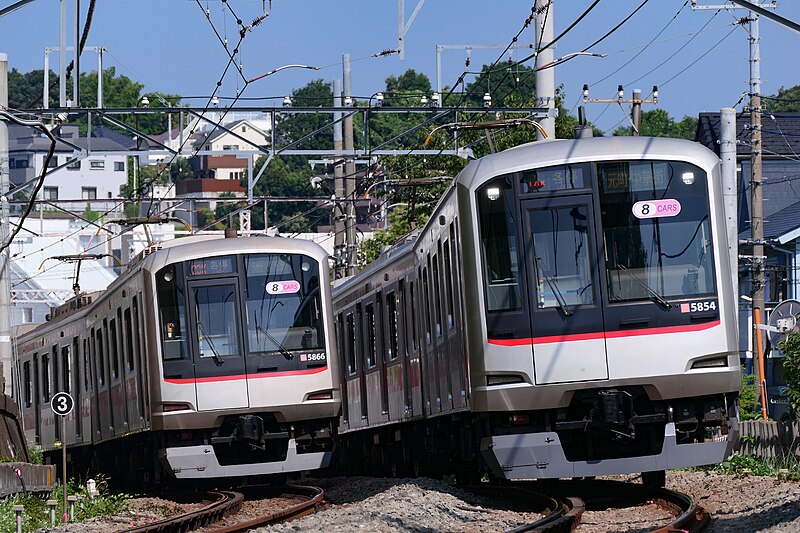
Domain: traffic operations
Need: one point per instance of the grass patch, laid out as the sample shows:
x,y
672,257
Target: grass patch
x,y
785,467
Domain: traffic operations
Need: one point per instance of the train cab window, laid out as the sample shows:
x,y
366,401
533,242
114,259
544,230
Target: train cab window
x,y
372,345
27,383
391,312
172,310
284,304
350,338
656,230
498,238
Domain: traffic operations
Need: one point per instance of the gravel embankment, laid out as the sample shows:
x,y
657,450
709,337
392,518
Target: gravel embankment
x,y
736,504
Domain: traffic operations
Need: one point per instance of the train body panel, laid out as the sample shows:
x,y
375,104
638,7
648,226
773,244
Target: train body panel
x,y
204,348
592,302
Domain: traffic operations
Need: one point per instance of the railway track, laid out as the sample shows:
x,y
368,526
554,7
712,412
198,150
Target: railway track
x,y
227,503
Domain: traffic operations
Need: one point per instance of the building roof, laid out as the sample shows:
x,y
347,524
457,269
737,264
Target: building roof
x,y
217,132
780,134
104,132
782,226
25,139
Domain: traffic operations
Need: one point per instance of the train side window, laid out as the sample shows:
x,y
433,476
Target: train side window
x,y
26,372
340,336
351,345
449,273
113,351
359,336
412,331
391,316
128,338
56,374
437,291
45,378
66,372
99,358
498,238
426,295
172,308
86,370
371,340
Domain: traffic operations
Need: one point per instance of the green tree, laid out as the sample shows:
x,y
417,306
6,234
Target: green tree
x,y
658,123
790,347
787,100
25,90
180,170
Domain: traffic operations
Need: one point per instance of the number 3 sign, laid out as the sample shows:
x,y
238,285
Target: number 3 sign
x,y
62,403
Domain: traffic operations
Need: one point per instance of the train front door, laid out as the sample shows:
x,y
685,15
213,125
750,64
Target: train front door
x,y
564,290
219,364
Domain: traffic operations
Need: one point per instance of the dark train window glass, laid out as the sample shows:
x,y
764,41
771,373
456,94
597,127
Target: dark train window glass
x,y
498,239
426,300
55,376
391,312
284,304
172,310
448,284
66,369
136,347
217,327
86,370
413,329
113,350
26,369
657,230
75,366
99,357
360,337
351,345
437,295
561,263
371,340
340,336
128,339
45,378
557,178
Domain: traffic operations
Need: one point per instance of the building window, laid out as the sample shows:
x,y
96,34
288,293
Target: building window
x,y
53,162
50,193
230,146
119,166
97,164
18,163
75,165
27,315
88,193
244,129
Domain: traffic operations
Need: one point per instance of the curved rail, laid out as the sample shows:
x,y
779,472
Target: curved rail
x,y
226,502
315,494
690,516
564,515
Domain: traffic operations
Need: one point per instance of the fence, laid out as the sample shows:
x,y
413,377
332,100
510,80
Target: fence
x,y
769,440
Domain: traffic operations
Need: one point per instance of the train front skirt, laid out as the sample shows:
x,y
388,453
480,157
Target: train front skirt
x,y
540,456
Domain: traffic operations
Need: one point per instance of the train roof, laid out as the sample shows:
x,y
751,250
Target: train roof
x,y
201,246
547,153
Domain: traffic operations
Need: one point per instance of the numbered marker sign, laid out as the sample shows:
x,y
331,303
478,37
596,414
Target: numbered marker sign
x,y
283,287
62,403
656,208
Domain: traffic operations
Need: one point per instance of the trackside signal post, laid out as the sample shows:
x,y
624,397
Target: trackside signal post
x,y
62,404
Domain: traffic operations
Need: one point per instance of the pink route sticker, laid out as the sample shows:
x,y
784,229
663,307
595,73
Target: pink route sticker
x,y
656,208
283,287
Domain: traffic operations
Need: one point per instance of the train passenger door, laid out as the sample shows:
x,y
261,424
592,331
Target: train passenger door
x,y
562,266
219,364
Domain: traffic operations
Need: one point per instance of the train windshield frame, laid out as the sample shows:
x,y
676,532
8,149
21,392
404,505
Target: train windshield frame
x,y
280,306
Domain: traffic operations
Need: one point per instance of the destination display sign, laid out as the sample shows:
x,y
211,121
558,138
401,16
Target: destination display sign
x,y
211,266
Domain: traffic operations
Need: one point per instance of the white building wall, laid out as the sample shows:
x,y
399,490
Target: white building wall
x,y
106,172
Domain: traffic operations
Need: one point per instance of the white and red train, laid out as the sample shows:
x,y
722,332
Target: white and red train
x,y
204,359
567,311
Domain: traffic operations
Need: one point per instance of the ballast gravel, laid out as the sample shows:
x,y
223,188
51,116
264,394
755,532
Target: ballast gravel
x,y
363,504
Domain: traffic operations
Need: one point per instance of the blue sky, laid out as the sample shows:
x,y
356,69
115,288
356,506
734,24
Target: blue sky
x,y
169,46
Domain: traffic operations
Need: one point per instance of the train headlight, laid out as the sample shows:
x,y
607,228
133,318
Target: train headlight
x,y
168,275
493,193
688,177
714,362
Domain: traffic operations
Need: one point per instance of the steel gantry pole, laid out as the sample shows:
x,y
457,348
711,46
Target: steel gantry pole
x,y
339,216
349,174
5,285
545,77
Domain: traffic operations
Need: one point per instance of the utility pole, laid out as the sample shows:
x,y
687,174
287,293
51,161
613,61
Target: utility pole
x,y
636,104
545,77
349,173
5,293
339,215
756,193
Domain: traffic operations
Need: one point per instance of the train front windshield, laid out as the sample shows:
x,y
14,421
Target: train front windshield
x,y
255,304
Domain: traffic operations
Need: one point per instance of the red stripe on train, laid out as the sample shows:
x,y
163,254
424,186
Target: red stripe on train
x,y
604,335
240,377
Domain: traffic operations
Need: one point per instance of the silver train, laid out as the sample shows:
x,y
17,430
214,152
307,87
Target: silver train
x,y
204,359
567,311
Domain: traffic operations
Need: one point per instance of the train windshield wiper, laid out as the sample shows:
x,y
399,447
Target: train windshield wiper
x,y
562,303
656,297
217,359
276,342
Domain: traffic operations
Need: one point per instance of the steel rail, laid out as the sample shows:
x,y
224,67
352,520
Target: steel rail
x,y
226,502
293,512
690,517
563,516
